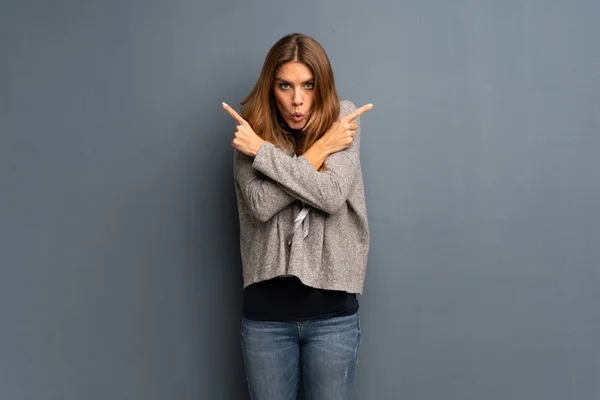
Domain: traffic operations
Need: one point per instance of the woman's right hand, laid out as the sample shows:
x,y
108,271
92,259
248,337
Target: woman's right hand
x,y
342,132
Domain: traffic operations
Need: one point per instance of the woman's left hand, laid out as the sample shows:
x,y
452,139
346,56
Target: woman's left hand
x,y
245,139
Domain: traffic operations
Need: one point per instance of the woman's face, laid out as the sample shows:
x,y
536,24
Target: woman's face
x,y
294,90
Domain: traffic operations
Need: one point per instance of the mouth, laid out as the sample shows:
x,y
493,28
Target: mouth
x,y
297,116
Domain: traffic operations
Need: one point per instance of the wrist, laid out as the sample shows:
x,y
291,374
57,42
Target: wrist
x,y
259,145
322,147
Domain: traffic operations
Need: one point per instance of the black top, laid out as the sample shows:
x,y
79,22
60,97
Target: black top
x,y
288,299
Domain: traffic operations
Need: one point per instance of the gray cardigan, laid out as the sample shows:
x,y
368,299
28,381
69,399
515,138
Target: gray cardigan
x,y
271,190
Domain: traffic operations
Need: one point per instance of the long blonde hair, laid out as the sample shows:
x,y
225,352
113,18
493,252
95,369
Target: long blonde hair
x,y
260,109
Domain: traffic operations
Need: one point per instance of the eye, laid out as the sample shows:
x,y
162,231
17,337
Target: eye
x,y
310,85
284,86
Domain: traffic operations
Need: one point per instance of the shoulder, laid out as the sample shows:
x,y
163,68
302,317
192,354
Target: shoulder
x,y
346,107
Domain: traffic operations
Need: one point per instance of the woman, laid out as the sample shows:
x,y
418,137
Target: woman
x,y
304,235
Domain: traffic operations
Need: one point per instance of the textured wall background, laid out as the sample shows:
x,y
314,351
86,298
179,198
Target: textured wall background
x,y
119,268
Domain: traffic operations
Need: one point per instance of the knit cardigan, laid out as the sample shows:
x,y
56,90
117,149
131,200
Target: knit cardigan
x,y
271,189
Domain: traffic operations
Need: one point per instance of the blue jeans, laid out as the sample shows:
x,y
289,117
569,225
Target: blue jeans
x,y
326,351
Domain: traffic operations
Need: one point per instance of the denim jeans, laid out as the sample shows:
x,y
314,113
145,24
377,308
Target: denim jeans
x,y
325,352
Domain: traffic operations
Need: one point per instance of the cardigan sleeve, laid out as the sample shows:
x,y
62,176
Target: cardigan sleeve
x,y
263,196
328,190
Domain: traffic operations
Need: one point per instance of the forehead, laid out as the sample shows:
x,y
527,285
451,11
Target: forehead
x,y
294,71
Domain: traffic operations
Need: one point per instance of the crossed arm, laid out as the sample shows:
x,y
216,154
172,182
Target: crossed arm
x,y
270,180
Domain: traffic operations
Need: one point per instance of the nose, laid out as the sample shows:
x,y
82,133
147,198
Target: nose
x,y
297,99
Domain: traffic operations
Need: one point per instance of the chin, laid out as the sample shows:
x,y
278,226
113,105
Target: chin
x,y
296,125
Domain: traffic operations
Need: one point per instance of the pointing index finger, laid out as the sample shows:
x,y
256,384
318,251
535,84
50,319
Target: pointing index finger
x,y
358,112
233,113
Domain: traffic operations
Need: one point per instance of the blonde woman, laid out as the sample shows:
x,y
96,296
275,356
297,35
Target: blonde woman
x,y
304,235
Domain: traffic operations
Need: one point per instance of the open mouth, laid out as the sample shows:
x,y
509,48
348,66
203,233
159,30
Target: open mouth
x,y
297,116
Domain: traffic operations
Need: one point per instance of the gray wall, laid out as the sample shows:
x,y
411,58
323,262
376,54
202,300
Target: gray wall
x,y
120,274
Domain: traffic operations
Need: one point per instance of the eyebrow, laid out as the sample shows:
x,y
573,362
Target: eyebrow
x,y
285,81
